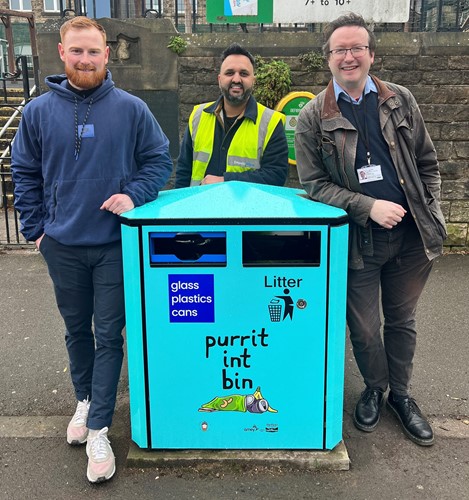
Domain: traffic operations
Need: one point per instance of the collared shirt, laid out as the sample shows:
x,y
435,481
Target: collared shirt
x,y
341,93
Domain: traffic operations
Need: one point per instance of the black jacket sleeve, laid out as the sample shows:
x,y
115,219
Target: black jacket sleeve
x,y
184,163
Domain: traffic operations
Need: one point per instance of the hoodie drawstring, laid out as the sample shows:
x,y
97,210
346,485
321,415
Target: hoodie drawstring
x,y
79,136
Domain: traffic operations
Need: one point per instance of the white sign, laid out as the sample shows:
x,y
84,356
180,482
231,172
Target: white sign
x,y
324,11
241,8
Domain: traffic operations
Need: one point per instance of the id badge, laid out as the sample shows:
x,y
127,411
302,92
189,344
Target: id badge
x,y
370,173
86,130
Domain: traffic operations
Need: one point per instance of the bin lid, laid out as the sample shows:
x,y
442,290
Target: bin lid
x,y
240,202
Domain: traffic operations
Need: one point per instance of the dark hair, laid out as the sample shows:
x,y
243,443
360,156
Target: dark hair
x,y
350,19
236,49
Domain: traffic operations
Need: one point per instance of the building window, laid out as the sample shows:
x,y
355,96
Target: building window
x,y
182,6
153,4
51,6
20,4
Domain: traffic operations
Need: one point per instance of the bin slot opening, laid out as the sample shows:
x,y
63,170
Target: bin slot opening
x,y
187,249
281,248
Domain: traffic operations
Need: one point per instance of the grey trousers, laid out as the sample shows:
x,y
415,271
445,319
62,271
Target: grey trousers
x,y
396,273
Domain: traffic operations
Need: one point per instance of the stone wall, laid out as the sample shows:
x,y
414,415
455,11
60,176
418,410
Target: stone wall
x,y
139,61
434,66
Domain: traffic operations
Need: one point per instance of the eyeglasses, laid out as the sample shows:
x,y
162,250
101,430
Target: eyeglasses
x,y
355,51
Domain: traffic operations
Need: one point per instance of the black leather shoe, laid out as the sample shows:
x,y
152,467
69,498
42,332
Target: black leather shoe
x,y
366,416
414,424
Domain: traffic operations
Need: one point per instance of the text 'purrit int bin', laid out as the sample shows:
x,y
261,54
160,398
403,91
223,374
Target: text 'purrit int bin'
x,y
235,306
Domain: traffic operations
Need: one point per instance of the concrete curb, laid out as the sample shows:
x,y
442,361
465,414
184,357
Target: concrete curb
x,y
336,459
55,427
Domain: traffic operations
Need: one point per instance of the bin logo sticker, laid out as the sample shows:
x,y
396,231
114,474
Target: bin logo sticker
x,y
247,400
281,307
191,298
252,403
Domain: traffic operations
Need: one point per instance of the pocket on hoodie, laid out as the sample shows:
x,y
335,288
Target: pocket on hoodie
x,y
77,202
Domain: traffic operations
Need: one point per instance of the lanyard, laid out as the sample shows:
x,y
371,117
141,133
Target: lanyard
x,y
79,137
363,135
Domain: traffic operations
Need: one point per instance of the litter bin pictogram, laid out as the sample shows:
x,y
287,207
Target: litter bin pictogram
x,y
275,310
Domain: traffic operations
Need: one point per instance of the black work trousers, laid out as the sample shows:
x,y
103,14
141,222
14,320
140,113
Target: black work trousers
x,y
396,273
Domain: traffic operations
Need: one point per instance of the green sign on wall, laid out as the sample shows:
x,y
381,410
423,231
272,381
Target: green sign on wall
x,y
239,11
290,106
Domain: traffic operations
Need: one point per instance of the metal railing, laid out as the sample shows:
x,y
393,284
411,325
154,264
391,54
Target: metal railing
x,y
9,219
74,7
424,15
15,79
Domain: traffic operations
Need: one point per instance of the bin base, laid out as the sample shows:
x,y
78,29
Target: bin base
x,y
336,459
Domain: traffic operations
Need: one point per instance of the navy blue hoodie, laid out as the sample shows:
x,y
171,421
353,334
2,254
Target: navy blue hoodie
x,y
61,182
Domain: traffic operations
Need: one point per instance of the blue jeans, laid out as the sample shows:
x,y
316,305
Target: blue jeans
x,y
88,284
400,268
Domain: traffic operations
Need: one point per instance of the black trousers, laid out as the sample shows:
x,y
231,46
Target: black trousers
x,y
396,274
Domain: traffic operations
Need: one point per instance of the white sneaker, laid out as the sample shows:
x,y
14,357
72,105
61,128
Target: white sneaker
x,y
101,460
77,432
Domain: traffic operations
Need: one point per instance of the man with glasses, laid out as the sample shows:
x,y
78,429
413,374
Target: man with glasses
x,y
362,145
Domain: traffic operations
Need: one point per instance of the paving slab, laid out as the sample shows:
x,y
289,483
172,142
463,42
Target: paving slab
x,y
331,460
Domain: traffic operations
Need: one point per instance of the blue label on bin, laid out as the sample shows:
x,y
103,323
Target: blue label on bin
x,y
191,298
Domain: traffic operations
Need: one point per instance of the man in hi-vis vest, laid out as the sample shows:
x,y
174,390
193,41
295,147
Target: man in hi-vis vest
x,y
235,137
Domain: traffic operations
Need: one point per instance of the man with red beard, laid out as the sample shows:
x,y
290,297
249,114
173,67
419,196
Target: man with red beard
x,y
86,152
235,137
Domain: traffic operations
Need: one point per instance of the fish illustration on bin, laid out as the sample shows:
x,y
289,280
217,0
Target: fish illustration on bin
x,y
252,403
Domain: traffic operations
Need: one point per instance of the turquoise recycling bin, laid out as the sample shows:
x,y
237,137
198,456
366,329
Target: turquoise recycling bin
x,y
235,305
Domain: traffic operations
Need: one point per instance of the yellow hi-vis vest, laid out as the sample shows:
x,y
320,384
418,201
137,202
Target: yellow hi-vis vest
x,y
247,145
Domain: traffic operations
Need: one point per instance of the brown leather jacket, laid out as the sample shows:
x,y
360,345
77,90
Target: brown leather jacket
x,y
326,144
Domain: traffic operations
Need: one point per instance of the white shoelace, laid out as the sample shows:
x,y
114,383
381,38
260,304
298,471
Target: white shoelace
x,y
81,413
99,445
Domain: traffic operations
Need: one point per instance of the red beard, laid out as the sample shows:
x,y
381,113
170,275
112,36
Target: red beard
x,y
85,80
